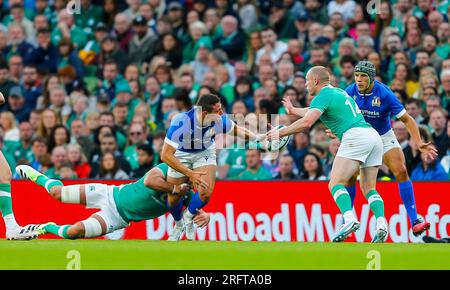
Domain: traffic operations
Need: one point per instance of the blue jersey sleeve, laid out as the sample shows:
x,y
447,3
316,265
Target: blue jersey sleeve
x,y
396,107
179,126
225,125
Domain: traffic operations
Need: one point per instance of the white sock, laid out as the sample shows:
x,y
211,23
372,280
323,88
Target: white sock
x,y
10,222
349,216
188,214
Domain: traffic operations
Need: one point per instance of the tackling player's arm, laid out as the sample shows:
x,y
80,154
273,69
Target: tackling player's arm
x,y
156,181
298,126
291,110
413,130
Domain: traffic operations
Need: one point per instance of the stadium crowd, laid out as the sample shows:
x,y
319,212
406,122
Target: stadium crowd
x,y
91,94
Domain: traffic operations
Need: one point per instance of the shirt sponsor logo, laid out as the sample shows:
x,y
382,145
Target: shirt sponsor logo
x,y
376,102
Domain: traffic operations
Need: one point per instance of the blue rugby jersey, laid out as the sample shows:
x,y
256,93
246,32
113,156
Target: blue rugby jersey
x,y
378,106
186,134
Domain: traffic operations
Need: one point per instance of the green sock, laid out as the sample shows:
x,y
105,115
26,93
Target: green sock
x,y
376,203
6,206
342,198
48,183
60,231
5,199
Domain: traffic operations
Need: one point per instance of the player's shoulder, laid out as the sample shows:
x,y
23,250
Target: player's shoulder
x,y
351,88
382,87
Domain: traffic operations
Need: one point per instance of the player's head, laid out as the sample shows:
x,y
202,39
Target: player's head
x,y
365,73
210,106
316,77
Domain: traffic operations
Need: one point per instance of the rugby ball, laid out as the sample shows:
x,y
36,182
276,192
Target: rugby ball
x,y
278,144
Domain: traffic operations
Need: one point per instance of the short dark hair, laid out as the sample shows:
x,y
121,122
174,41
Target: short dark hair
x,y
422,51
207,101
414,101
348,59
147,148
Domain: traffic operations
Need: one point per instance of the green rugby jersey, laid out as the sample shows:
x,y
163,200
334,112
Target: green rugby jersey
x,y
137,202
339,111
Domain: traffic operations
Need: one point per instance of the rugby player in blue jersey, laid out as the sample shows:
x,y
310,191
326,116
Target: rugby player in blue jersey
x,y
189,149
378,105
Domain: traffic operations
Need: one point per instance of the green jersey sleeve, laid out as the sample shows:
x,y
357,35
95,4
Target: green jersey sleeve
x,y
164,168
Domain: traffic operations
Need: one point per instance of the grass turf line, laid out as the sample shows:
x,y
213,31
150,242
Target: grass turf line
x,y
104,254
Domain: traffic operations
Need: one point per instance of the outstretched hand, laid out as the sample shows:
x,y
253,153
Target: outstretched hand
x,y
201,219
429,150
196,178
288,105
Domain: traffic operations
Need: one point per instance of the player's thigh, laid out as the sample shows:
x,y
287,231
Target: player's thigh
x,y
368,179
5,172
109,214
176,177
343,170
209,177
96,194
395,161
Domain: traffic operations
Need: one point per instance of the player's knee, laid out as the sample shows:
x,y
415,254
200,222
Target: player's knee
x,y
205,195
76,231
401,173
55,192
367,188
92,228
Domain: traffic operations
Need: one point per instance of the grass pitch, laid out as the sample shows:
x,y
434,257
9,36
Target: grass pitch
x,y
202,255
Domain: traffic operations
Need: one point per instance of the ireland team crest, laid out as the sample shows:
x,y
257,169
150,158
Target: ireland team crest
x,y
376,102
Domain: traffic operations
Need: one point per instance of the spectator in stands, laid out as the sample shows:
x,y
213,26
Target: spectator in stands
x,y
16,104
110,168
108,143
271,45
58,159
145,158
17,45
137,135
31,86
231,40
255,170
429,170
46,53
438,121
312,168
286,168
59,136
78,160
67,29
143,43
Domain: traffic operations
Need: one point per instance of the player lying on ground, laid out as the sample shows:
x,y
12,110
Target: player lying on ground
x,y
361,148
148,198
189,149
13,230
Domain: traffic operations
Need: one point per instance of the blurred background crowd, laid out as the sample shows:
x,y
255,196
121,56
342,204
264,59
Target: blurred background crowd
x,y
91,94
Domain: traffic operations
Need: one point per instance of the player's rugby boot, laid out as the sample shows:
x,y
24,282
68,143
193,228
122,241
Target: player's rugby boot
x,y
345,230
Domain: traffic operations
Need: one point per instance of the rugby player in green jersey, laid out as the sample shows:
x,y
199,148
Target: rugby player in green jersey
x,y
13,230
361,148
148,198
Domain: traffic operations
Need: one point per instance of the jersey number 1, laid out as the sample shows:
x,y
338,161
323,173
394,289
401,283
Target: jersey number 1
x,y
355,110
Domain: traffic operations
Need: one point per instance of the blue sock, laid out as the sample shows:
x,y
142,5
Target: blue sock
x,y
407,194
177,211
196,203
352,192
